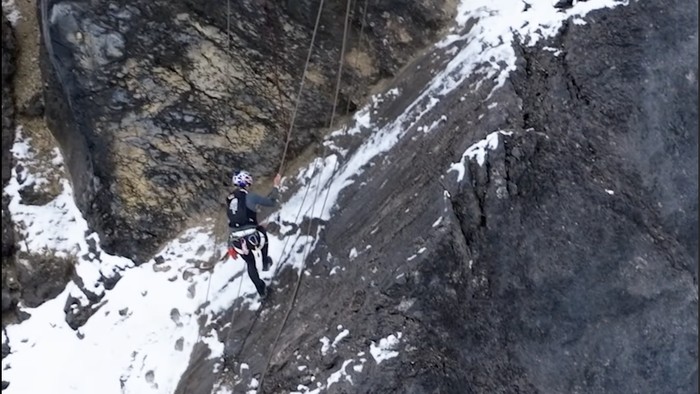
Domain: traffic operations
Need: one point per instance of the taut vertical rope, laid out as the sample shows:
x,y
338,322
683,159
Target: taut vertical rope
x,y
301,86
301,272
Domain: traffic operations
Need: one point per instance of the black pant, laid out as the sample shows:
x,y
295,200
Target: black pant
x,y
253,272
250,262
262,231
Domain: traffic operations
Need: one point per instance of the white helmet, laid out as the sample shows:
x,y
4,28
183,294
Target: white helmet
x,y
242,179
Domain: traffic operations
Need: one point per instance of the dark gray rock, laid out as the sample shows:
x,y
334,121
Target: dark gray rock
x,y
76,314
110,281
8,128
8,105
35,106
43,277
22,315
8,301
199,378
5,349
566,263
9,248
32,195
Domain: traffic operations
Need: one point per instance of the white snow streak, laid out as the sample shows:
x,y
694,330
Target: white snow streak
x,y
340,337
326,343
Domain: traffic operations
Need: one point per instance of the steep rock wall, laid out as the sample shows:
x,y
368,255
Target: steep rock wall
x,y
9,290
158,105
565,262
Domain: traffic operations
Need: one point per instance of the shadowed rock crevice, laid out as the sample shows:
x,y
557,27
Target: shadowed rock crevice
x,y
10,287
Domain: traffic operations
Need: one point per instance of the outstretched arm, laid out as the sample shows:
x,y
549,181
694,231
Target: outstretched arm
x,y
252,200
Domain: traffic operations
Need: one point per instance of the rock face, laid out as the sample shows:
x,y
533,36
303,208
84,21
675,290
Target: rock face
x,y
28,276
565,263
43,277
9,290
155,104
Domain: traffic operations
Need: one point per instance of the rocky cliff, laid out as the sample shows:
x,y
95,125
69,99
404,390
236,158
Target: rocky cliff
x,y
9,300
161,102
563,258
515,210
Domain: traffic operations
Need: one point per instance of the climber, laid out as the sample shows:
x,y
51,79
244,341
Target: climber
x,y
245,233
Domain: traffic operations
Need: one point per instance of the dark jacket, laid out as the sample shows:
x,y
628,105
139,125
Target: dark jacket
x,y
242,207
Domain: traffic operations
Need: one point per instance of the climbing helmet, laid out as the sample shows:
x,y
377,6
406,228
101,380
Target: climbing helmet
x,y
242,179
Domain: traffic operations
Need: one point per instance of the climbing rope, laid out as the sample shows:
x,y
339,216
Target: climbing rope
x,y
289,133
306,250
272,27
284,154
355,62
347,107
284,258
228,52
293,118
301,86
291,127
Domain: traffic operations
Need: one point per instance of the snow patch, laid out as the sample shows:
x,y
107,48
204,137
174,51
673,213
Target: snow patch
x,y
477,151
487,48
9,8
325,345
146,327
340,337
254,383
386,348
555,51
337,375
222,390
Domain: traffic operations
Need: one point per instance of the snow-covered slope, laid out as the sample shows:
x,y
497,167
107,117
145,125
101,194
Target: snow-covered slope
x,y
142,332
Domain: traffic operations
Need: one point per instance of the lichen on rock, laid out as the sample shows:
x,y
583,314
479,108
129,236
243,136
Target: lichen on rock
x,y
171,97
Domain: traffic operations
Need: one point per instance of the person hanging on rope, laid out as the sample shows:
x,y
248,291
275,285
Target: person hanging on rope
x,y
245,233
